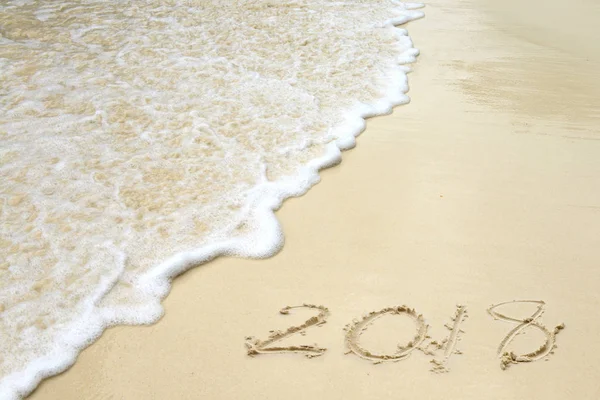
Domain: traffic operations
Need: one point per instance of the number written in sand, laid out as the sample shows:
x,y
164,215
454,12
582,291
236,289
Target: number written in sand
x,y
256,346
419,342
508,357
439,351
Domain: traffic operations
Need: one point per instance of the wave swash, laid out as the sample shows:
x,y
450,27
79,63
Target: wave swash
x,y
141,138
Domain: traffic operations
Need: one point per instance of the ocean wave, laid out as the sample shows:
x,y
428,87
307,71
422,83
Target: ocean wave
x,y
138,131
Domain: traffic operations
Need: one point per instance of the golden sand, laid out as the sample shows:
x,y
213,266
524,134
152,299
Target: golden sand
x,y
482,191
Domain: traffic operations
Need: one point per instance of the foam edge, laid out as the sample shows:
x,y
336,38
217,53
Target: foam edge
x,y
265,241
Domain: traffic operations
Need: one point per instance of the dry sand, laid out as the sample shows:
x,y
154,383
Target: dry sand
x,y
483,190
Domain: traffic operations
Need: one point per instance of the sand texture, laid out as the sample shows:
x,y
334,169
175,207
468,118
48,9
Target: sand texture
x,y
482,192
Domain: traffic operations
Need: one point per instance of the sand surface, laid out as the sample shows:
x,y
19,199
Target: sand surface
x,y
483,190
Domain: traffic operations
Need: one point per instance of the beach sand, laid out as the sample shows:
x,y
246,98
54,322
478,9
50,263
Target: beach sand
x,y
483,190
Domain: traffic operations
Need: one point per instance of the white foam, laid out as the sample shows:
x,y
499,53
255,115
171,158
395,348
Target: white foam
x,y
118,294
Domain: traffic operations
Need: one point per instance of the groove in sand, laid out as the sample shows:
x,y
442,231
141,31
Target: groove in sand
x,y
508,357
358,327
256,346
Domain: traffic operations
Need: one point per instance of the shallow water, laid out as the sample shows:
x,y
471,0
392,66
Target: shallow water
x,y
141,138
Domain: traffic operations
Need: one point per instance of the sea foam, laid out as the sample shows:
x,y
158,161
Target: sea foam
x,y
138,131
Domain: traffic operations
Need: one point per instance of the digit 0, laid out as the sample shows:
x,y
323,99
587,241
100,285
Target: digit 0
x,y
355,330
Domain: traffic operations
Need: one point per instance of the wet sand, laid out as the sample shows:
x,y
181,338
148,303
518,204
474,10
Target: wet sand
x,y
483,190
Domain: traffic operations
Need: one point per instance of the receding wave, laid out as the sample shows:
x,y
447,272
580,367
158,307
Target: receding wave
x,y
141,138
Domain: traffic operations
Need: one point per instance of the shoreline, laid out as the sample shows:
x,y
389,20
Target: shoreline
x,y
265,240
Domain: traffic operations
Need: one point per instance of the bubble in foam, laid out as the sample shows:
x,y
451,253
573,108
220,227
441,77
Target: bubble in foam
x,y
146,139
